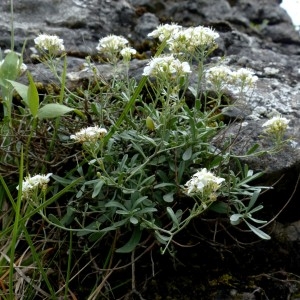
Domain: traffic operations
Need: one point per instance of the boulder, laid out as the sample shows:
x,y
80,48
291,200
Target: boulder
x,y
255,34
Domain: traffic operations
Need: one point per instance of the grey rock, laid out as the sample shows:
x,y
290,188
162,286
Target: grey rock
x,y
253,34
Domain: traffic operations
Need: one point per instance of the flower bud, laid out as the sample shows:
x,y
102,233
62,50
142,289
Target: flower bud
x,y
150,124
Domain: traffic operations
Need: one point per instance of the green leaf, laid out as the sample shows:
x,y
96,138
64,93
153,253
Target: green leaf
x,y
258,232
236,219
252,149
132,243
97,188
54,220
53,110
32,97
115,204
9,69
21,89
139,201
219,207
147,210
187,154
133,220
161,238
253,199
173,216
257,221
164,184
216,162
69,216
168,197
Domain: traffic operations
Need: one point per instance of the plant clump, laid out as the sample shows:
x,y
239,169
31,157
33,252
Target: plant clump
x,y
139,171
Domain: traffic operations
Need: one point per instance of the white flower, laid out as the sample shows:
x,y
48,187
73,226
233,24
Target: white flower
x,y
276,125
112,43
244,77
219,76
51,43
166,66
203,181
192,38
23,68
30,184
163,32
127,52
89,134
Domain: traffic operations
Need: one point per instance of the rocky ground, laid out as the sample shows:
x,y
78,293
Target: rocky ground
x,y
255,34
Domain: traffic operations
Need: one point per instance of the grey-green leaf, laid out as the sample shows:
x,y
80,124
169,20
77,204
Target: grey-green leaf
x,y
132,243
53,110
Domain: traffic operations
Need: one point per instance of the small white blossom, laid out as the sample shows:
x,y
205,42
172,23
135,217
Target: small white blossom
x,y
51,43
165,31
23,68
191,39
276,125
166,66
89,134
244,77
127,52
219,76
112,43
30,184
203,182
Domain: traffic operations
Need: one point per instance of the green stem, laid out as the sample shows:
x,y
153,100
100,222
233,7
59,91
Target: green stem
x,y
16,228
132,99
12,34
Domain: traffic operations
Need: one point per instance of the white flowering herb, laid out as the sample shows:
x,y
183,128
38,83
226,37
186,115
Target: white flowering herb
x,y
89,134
203,184
219,76
276,127
168,66
165,31
127,53
31,184
244,77
51,43
112,43
191,39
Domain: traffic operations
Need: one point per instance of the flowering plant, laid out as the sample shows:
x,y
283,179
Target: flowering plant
x,y
89,134
51,43
30,184
150,169
204,185
275,128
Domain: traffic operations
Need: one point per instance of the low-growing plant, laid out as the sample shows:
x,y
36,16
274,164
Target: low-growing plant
x,y
143,170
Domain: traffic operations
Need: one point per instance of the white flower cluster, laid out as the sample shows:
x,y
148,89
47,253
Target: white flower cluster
x,y
30,184
89,134
163,32
192,38
166,66
244,77
276,125
203,182
51,43
127,52
112,43
180,39
219,76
